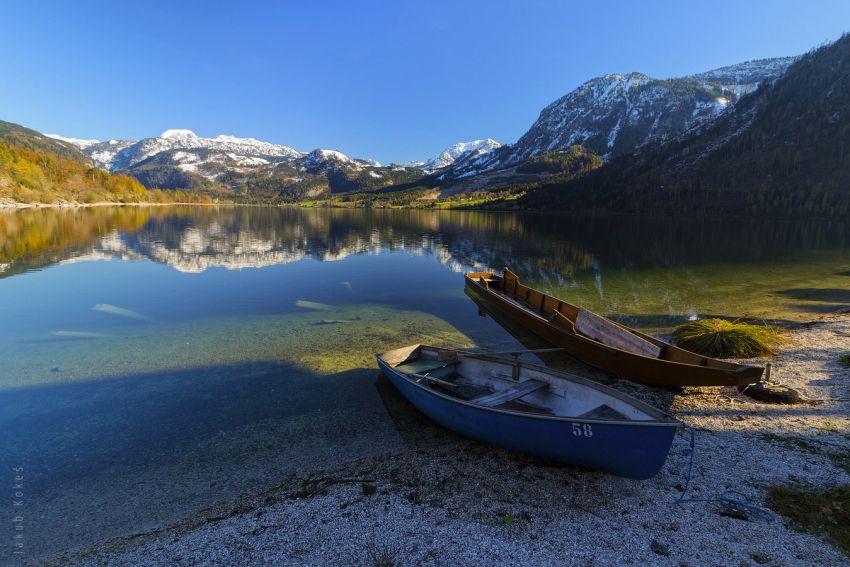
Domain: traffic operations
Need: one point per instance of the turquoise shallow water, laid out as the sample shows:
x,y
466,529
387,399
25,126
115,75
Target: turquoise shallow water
x,y
155,360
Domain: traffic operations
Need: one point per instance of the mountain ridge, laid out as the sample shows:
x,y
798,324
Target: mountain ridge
x,y
616,113
782,149
611,116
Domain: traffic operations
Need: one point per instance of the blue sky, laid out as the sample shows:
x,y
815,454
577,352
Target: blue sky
x,y
392,81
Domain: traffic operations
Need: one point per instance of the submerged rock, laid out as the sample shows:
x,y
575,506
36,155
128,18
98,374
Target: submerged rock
x,y
659,548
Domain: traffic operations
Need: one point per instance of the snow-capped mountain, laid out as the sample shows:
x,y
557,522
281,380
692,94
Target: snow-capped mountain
x,y
616,113
777,152
82,144
332,160
610,115
180,159
745,77
461,151
120,155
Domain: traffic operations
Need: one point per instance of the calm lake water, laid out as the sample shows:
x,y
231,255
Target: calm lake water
x,y
157,360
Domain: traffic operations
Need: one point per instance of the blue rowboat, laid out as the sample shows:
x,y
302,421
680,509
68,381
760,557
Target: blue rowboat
x,y
533,409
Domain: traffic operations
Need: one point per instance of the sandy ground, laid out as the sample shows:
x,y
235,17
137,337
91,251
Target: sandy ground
x,y
444,500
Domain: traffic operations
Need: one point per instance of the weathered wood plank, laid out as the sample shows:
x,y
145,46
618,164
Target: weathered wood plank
x,y
534,299
550,305
601,329
400,355
513,393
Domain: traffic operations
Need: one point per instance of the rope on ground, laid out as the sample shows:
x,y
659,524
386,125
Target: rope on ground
x,y
732,498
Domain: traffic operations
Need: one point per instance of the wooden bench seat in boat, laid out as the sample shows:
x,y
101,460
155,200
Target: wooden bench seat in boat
x,y
512,393
606,332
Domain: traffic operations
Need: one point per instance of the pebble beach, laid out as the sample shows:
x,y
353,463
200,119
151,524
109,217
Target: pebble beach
x,y
445,500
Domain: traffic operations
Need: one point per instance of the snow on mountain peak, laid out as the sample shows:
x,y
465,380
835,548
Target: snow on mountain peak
x,y
319,155
178,134
458,151
237,140
748,72
82,144
615,113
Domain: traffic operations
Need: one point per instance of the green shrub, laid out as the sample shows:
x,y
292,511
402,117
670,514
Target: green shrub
x,y
844,360
824,511
717,337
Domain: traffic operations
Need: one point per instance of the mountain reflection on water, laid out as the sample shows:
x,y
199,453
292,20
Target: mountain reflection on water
x,y
556,251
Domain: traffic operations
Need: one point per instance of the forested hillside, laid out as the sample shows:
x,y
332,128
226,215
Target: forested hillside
x,y
33,176
21,137
784,149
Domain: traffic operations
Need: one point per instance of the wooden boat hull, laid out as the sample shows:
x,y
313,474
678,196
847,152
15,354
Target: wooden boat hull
x,y
635,367
634,450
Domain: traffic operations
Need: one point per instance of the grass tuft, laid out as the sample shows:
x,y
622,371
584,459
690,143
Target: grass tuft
x,y
383,554
720,338
844,360
824,512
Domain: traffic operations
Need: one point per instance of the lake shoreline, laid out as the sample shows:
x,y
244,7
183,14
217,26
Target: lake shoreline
x,y
445,499
10,205
13,205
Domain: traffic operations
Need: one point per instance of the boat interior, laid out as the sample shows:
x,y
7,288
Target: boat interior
x,y
509,384
584,323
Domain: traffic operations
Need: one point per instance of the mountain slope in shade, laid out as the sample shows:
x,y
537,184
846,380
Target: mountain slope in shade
x,y
784,148
614,114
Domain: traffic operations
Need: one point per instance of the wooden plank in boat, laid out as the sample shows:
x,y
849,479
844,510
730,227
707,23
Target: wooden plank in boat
x,y
601,329
521,291
562,321
518,391
604,412
420,366
550,304
534,299
400,355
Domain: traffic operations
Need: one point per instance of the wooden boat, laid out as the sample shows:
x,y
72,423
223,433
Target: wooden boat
x,y
603,343
532,409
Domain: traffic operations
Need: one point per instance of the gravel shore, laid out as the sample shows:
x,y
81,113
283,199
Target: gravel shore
x,y
445,500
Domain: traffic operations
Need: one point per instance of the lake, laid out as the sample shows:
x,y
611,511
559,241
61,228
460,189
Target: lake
x,y
156,360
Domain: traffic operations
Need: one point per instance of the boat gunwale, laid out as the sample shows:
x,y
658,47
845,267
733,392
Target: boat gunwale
x,y
666,420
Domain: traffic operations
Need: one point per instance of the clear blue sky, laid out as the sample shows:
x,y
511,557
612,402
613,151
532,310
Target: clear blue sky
x,y
393,81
